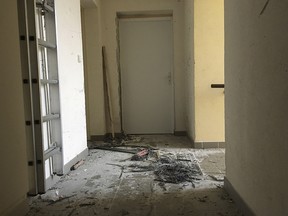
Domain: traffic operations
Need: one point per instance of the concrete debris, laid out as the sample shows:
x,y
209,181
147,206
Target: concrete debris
x,y
168,168
87,204
78,164
219,178
116,149
107,183
50,196
141,155
121,139
61,199
203,199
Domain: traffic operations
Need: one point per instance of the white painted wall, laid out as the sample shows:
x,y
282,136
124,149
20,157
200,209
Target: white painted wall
x,y
13,180
95,106
71,78
189,68
256,74
109,10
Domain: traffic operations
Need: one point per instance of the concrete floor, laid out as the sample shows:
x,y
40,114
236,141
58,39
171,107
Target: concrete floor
x,y
99,188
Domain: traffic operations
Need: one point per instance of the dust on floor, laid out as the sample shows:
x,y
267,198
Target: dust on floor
x,y
106,185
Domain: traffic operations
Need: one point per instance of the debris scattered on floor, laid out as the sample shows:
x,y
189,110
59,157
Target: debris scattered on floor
x,y
50,196
116,149
121,139
203,199
109,181
169,170
167,167
141,155
219,178
78,164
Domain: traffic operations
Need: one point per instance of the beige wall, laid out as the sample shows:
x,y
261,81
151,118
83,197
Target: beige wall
x,y
256,74
109,30
189,68
13,180
91,25
209,68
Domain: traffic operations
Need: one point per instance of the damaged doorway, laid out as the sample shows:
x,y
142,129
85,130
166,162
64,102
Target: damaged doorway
x,y
146,62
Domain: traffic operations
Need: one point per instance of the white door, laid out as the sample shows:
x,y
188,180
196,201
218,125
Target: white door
x,y
146,61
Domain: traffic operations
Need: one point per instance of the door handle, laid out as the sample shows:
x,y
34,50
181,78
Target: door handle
x,y
217,86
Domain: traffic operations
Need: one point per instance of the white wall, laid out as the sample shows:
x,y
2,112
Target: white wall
x,y
256,103
189,68
71,78
13,180
109,10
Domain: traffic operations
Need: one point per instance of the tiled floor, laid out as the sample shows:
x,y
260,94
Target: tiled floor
x,y
104,186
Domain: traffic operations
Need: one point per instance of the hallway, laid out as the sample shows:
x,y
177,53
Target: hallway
x,y
109,183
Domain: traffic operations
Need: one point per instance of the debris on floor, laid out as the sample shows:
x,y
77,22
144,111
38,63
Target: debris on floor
x,y
50,196
219,178
161,183
167,167
121,139
169,170
141,155
78,164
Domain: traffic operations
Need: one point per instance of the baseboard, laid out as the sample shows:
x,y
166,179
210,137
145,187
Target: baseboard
x,y
21,208
246,210
79,157
180,133
102,137
97,137
207,145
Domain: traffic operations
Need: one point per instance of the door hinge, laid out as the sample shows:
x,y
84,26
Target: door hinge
x,y
37,122
39,162
31,38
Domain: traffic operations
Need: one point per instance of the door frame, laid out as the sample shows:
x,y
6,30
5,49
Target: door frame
x,y
39,64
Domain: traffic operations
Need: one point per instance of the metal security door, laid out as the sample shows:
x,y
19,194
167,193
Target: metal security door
x,y
41,92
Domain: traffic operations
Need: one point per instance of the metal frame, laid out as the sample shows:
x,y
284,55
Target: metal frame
x,y
41,92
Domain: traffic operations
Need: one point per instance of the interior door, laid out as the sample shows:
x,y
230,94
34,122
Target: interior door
x,y
146,61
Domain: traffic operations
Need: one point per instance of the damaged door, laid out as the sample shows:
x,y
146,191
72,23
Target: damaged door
x,y
41,93
146,75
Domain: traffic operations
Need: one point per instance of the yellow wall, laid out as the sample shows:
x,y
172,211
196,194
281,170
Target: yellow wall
x,y
209,68
92,43
109,10
13,180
